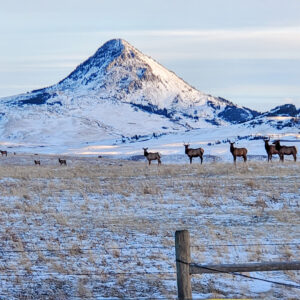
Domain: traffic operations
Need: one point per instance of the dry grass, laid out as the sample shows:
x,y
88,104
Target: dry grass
x,y
91,206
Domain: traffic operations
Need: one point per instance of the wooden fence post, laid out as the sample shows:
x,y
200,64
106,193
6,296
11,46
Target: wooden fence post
x,y
183,259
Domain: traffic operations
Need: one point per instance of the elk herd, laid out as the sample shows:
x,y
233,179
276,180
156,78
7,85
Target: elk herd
x,y
60,161
35,161
275,148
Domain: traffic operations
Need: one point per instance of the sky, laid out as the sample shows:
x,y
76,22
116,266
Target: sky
x,y
245,51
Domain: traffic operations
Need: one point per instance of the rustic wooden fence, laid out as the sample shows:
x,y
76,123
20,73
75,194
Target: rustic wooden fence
x,y
185,268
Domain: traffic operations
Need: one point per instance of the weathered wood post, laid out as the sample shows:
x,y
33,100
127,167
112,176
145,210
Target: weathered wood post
x,y
183,259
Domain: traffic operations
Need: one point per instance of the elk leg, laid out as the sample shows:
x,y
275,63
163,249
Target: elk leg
x,y
201,158
191,160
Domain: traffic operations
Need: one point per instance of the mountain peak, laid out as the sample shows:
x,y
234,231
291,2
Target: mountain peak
x,y
120,73
97,63
114,45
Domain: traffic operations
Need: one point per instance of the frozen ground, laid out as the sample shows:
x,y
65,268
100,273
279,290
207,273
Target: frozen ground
x,y
103,228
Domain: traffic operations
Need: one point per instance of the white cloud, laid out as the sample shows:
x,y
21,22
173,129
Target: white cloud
x,y
225,34
239,43
265,90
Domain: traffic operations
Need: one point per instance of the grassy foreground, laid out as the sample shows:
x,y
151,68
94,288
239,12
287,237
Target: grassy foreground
x,y
105,228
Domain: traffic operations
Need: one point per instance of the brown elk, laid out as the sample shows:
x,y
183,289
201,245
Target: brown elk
x,y
3,153
271,150
285,150
62,162
152,156
37,162
198,152
238,152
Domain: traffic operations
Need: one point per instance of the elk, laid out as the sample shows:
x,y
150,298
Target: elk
x,y
152,156
62,162
285,150
270,149
193,152
238,152
37,162
3,153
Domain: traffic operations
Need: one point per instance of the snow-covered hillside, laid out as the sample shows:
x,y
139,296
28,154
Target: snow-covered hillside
x,y
118,95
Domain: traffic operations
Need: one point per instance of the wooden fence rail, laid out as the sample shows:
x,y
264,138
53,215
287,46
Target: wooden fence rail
x,y
250,267
185,268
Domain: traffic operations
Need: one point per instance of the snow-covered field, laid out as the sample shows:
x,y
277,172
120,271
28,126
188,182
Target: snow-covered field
x,y
104,227
213,140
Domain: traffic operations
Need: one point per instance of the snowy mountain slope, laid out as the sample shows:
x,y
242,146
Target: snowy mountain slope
x,y
281,117
287,110
118,94
118,71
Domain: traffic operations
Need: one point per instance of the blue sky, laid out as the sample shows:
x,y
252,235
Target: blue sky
x,y
245,51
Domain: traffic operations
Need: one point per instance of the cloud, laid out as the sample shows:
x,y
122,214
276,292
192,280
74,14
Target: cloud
x,y
286,33
26,63
235,43
227,34
280,43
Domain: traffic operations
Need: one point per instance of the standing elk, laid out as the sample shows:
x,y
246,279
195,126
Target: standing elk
x,y
152,156
285,150
37,162
62,162
193,152
3,153
271,149
238,152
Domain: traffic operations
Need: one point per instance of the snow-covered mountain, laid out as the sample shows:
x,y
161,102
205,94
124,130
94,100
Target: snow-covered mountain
x,y
118,93
281,117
